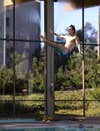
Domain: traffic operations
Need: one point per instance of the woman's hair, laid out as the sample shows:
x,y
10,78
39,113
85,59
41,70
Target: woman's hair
x,y
73,28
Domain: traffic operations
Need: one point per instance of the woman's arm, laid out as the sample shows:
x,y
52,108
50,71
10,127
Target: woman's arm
x,y
78,44
58,35
77,41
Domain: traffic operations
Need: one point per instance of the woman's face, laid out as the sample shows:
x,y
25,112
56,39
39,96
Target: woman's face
x,y
70,31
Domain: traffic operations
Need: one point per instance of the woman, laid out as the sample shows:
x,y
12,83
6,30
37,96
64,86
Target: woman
x,y
71,41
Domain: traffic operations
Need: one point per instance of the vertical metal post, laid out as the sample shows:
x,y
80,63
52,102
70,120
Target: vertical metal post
x,y
49,64
4,46
98,52
83,60
14,74
45,69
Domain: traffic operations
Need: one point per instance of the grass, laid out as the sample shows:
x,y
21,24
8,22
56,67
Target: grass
x,y
73,107
92,104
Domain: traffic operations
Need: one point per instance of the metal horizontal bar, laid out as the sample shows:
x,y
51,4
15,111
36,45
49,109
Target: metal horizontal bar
x,y
39,41
46,100
19,40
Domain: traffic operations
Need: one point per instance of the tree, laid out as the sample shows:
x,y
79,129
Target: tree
x,y
90,33
6,76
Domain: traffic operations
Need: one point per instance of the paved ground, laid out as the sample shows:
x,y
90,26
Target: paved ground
x,y
87,123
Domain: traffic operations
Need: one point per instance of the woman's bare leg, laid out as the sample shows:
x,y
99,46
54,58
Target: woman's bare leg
x,y
54,44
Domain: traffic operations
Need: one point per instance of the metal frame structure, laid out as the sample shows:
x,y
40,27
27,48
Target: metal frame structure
x,y
49,61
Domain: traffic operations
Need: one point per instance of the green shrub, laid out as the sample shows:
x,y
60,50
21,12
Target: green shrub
x,y
96,93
